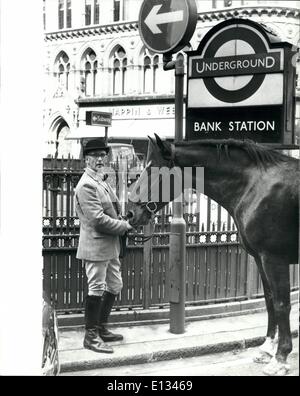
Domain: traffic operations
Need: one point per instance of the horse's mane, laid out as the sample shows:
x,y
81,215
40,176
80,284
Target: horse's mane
x,y
260,155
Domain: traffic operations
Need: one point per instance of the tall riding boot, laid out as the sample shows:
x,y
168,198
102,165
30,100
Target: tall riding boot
x,y
108,300
92,340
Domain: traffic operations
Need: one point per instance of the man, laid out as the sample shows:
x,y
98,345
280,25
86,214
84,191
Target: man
x,y
98,209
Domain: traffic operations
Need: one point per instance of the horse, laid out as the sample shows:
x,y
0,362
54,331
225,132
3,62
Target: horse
x,y
259,187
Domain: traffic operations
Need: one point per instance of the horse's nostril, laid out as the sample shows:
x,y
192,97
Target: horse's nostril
x,y
129,214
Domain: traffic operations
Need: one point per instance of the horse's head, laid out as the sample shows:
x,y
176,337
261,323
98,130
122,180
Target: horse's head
x,y
145,198
160,153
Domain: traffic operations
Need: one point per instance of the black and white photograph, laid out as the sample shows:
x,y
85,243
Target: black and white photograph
x,y
149,190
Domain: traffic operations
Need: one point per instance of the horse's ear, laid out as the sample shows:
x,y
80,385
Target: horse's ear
x,y
150,138
151,147
165,147
158,140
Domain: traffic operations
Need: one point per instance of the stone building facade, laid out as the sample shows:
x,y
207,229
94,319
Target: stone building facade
x,y
95,60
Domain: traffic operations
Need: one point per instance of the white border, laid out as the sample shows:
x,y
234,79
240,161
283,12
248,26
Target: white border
x,y
21,178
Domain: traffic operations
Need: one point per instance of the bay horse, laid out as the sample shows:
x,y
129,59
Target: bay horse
x,y
259,187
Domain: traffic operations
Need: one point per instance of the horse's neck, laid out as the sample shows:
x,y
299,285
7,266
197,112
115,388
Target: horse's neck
x,y
225,180
226,188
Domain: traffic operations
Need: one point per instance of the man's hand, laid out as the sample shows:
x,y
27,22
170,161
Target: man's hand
x,y
129,226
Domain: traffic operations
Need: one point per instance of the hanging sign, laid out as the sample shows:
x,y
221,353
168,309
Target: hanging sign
x,y
98,118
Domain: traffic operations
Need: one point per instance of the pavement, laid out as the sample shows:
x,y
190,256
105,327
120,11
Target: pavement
x,y
154,342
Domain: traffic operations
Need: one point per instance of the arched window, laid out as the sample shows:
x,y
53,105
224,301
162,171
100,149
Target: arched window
x,y
118,10
96,11
150,70
155,65
64,14
62,69
147,75
44,14
69,14
119,62
124,75
89,72
92,12
63,147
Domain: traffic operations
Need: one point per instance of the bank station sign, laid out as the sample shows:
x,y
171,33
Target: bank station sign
x,y
240,85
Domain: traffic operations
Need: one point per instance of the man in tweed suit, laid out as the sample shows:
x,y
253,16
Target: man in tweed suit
x,y
98,210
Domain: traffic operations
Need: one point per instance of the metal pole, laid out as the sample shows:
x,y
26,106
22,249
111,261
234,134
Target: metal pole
x,y
178,226
106,134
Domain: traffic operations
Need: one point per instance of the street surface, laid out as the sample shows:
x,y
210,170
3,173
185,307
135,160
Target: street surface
x,y
233,363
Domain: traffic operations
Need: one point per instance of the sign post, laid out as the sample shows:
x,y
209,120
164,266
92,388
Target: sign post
x,y
166,26
177,257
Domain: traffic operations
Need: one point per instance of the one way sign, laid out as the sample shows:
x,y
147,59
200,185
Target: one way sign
x,y
167,25
154,19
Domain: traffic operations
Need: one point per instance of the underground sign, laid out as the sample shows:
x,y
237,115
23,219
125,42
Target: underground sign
x,y
236,82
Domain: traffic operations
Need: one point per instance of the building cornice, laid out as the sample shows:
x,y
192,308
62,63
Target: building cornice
x,y
210,16
125,100
245,12
92,31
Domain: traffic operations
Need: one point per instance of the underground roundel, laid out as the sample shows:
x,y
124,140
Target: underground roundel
x,y
234,66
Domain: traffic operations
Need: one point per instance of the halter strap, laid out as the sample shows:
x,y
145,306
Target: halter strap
x,y
136,237
172,160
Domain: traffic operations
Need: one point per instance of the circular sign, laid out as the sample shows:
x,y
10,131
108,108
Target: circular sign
x,y
167,25
247,35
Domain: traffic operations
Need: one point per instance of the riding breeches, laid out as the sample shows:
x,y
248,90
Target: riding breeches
x,y
103,275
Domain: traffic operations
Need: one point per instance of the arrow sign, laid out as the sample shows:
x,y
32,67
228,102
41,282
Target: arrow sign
x,y
167,25
98,118
154,19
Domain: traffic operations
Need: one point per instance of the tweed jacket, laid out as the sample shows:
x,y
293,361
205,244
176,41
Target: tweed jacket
x,y
97,208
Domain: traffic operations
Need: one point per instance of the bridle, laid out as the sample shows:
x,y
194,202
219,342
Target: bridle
x,y
150,206
135,236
